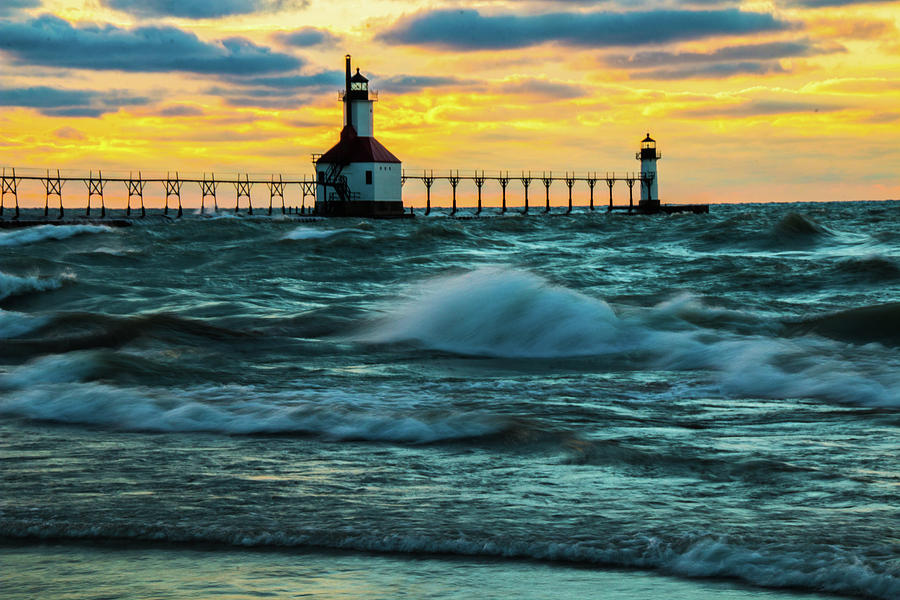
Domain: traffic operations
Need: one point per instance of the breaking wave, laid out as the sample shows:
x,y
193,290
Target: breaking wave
x,y
503,313
40,233
53,388
496,312
14,285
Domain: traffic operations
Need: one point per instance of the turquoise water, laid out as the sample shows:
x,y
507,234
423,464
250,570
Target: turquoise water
x,y
687,405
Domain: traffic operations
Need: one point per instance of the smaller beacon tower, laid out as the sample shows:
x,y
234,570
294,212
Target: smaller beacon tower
x,y
359,177
649,178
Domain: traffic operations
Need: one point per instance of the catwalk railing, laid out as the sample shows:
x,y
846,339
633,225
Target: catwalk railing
x,y
172,188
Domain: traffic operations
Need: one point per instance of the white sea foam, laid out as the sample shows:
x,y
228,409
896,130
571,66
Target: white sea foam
x,y
14,285
40,233
500,312
312,233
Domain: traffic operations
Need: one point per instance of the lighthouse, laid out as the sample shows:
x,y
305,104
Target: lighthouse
x,y
358,177
649,177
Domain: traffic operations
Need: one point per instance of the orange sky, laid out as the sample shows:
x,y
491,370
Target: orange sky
x,y
749,101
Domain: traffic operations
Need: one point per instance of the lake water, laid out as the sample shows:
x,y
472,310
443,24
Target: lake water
x,y
535,407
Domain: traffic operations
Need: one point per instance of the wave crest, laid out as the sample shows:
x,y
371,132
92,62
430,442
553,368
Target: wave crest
x,y
14,285
40,233
43,391
498,312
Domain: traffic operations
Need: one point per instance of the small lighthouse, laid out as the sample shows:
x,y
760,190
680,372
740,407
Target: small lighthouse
x,y
359,177
649,177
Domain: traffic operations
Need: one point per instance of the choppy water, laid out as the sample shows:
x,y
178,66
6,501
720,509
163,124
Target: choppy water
x,y
696,396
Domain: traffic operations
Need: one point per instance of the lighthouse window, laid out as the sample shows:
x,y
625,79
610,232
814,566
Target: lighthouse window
x,y
368,177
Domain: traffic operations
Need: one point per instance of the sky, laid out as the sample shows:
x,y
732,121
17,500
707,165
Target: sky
x,y
790,100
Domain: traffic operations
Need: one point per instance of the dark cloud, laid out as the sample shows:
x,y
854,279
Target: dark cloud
x,y
51,41
276,103
470,30
541,88
761,108
200,9
308,36
68,103
181,110
11,7
766,51
713,71
402,84
325,79
78,111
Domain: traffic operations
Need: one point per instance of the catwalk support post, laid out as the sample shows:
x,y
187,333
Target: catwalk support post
x,y
630,181
208,189
592,181
610,181
479,183
95,187
135,188
242,190
10,185
53,187
504,181
548,180
428,180
526,181
454,181
173,188
276,190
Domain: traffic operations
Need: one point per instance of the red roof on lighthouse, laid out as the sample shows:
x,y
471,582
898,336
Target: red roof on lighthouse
x,y
353,148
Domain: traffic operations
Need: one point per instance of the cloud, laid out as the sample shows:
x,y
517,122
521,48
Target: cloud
x,y
851,28
200,9
68,103
296,82
12,7
69,133
765,51
181,110
404,84
541,88
756,108
51,41
274,103
308,36
865,86
713,71
470,30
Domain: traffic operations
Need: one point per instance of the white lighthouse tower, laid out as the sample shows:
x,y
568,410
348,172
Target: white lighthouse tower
x,y
359,177
649,178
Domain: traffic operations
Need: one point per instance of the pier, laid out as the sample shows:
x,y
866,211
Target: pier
x,y
510,186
